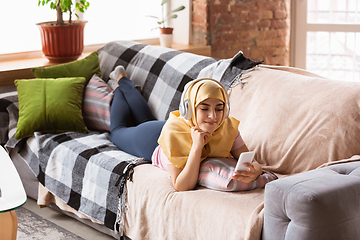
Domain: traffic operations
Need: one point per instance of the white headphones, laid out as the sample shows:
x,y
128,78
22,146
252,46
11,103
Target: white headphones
x,y
185,106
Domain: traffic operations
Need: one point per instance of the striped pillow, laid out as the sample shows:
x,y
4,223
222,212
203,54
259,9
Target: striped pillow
x,y
96,107
215,173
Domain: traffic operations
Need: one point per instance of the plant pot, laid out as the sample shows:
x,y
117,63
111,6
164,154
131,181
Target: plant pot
x,y
166,37
62,43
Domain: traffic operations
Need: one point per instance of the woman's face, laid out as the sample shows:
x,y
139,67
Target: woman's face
x,y
209,114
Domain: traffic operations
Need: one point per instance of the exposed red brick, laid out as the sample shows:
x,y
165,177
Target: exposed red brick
x,y
240,45
272,33
278,60
226,18
267,14
217,2
274,42
223,28
256,53
244,35
200,1
282,32
196,18
259,28
199,9
269,51
245,6
200,27
281,51
264,24
243,16
254,16
221,8
279,24
229,37
246,26
280,14
254,34
269,5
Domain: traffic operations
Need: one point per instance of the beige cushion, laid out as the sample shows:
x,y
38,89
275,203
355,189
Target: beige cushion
x,y
297,122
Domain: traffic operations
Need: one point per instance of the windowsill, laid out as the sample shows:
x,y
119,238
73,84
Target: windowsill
x,y
21,69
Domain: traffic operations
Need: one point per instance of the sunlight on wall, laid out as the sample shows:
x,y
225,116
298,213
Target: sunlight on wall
x,y
108,20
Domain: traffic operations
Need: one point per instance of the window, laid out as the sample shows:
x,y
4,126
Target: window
x,y
108,20
327,38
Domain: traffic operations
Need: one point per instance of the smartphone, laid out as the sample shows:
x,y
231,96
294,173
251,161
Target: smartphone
x,y
245,157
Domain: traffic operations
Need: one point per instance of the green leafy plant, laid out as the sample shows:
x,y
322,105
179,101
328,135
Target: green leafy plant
x,y
62,6
163,19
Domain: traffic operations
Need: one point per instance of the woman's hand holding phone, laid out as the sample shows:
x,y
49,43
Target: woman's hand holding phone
x,y
245,170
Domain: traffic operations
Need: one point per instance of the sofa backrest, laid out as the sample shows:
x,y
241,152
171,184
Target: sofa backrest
x,y
161,72
296,121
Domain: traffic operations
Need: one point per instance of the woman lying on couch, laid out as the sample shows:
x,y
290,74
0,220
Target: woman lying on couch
x,y
195,145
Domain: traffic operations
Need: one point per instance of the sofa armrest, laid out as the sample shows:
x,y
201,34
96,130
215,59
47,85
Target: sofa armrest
x,y
318,204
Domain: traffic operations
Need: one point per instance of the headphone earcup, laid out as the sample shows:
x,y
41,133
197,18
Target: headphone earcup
x,y
181,108
187,114
227,110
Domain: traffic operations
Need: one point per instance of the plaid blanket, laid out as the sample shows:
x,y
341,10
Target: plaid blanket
x,y
86,171
163,72
9,114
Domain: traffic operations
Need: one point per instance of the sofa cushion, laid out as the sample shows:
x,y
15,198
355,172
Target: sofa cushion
x,y
86,68
50,105
296,121
96,106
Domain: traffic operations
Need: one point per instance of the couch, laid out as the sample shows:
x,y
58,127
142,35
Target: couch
x,y
302,127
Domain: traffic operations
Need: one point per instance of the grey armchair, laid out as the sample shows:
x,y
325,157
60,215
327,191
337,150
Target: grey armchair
x,y
318,204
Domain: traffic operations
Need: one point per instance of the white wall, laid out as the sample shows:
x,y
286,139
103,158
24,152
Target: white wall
x,y
182,24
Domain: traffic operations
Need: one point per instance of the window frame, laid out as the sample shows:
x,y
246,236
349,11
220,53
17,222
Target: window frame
x,y
300,27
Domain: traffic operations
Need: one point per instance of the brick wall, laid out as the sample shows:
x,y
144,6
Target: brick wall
x,y
259,28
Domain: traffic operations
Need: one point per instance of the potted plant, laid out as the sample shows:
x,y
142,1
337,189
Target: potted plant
x,y
63,41
165,30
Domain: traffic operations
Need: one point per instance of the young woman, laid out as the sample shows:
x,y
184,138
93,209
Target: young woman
x,y
201,130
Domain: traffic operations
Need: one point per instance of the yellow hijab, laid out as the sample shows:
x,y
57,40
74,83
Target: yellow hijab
x,y
175,139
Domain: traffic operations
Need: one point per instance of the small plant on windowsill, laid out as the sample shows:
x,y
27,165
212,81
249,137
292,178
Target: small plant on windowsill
x,y
63,41
165,30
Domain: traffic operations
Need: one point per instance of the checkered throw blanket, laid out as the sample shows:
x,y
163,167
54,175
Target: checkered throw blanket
x,y
162,72
86,171
9,114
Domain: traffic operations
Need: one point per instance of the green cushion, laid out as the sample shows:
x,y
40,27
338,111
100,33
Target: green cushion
x,y
50,105
86,68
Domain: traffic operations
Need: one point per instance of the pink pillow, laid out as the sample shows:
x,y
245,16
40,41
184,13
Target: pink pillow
x,y
96,107
215,173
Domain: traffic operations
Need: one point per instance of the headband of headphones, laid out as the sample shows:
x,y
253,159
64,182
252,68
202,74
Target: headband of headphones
x,y
185,104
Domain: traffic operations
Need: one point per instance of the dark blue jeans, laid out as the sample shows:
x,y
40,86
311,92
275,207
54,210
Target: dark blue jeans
x,y
133,127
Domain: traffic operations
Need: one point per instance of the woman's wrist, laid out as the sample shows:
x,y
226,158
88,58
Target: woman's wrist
x,y
258,167
193,161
